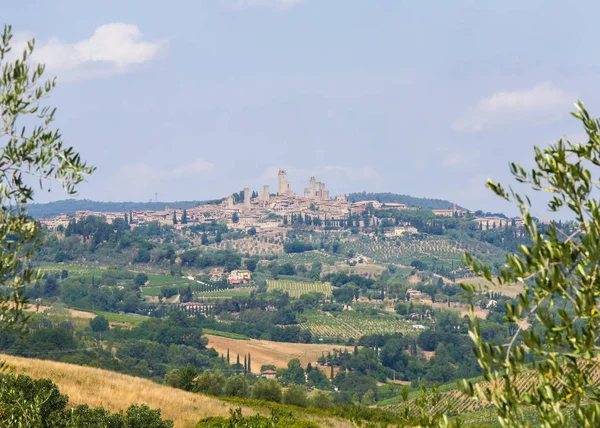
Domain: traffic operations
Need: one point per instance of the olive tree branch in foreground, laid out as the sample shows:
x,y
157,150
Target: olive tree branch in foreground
x,y
34,149
560,344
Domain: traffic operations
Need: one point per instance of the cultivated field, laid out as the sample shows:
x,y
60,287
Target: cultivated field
x,y
348,324
510,290
265,352
229,292
297,288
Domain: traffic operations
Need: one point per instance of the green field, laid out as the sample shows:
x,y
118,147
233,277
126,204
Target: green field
x,y
166,280
124,318
297,288
224,334
348,324
236,292
73,269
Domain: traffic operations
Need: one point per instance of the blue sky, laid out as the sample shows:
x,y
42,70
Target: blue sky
x,y
198,99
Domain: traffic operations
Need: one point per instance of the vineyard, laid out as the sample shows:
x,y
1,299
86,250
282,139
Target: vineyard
x,y
348,324
458,403
297,288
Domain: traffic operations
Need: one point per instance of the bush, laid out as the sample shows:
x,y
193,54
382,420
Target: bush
x,y
320,400
268,390
236,386
99,324
278,419
296,396
210,383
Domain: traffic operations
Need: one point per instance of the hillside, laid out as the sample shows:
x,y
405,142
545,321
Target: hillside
x,y
70,206
411,201
115,392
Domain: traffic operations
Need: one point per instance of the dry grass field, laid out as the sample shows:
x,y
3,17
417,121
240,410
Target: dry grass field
x,y
265,352
116,392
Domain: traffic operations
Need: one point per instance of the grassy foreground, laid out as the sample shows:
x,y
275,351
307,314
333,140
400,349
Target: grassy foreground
x,y
116,392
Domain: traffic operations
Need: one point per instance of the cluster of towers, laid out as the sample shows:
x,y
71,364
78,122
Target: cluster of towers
x,y
315,191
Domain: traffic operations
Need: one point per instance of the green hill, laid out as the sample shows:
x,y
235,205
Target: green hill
x,y
411,201
70,206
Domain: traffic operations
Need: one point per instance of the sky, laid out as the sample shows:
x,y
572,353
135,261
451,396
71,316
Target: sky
x,y
195,100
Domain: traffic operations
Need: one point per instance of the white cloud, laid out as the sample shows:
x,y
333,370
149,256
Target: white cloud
x,y
112,49
279,4
541,104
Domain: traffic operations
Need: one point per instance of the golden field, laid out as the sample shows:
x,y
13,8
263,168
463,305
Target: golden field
x,y
116,392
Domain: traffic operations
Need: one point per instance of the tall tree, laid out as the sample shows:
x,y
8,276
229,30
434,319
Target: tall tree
x,y
184,218
174,217
29,146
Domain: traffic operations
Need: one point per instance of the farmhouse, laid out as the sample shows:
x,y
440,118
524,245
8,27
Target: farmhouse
x,y
239,276
268,374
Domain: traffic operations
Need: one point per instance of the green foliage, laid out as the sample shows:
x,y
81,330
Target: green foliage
x,y
431,204
211,383
295,395
278,419
99,324
293,374
560,298
267,390
37,150
140,279
236,386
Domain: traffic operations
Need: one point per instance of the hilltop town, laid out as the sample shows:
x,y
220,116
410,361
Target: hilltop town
x,y
264,211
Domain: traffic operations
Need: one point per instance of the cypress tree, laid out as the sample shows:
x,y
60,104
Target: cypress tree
x,y
331,374
249,364
245,364
228,361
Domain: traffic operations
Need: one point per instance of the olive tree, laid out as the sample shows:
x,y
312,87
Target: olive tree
x,y
31,151
560,274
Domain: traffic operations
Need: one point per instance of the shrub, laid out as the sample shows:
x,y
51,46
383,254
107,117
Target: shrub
x,y
268,390
99,324
296,396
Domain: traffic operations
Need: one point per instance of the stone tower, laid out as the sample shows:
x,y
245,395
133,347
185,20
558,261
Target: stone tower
x,y
283,187
247,197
